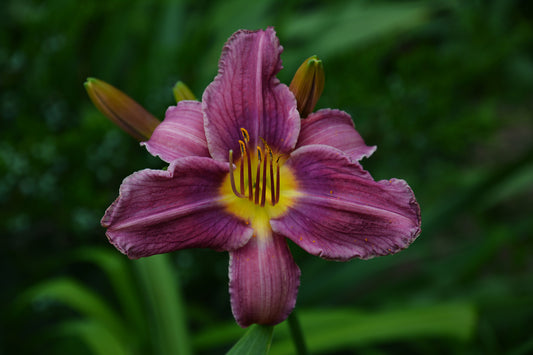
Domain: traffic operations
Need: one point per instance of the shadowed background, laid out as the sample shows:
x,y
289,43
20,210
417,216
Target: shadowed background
x,y
444,89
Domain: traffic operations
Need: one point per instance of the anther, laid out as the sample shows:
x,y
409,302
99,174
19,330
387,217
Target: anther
x,y
245,135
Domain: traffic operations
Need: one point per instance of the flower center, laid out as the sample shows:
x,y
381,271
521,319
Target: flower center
x,y
261,162
258,186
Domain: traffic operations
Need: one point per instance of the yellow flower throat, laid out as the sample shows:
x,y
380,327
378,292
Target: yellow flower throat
x,y
258,186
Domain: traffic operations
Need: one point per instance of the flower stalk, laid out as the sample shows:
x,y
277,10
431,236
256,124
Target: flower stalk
x,y
297,334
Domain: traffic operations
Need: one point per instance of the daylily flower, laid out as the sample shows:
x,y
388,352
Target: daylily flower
x,y
246,173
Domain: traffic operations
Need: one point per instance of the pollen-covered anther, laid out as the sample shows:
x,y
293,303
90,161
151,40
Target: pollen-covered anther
x,y
254,187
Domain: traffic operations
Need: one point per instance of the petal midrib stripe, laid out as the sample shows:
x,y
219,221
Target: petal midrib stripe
x,y
174,212
345,205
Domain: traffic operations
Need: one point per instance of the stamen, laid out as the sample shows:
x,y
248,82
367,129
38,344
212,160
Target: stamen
x,y
258,175
249,161
231,177
245,135
263,192
244,145
256,187
243,149
278,183
272,182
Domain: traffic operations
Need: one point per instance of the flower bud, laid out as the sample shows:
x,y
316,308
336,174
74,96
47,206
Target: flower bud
x,y
307,85
121,109
182,92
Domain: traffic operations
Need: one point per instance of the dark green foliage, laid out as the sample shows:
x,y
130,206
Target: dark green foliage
x,y
444,90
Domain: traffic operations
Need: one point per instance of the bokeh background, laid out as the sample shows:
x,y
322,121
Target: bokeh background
x,y
443,88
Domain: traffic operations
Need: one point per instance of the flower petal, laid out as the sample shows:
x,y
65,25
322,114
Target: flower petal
x,y
342,212
264,281
181,134
246,94
161,211
336,129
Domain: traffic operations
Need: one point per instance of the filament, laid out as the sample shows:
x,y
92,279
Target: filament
x,y
276,200
231,177
258,175
263,191
243,149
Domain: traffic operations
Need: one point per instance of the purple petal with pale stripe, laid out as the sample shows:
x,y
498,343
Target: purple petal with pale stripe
x,y
342,212
334,128
264,281
181,134
247,94
161,211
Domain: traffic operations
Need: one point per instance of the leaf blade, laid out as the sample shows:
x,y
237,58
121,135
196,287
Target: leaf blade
x,y
256,340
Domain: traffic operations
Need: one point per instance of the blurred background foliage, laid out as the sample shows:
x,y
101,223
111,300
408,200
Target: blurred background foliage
x,y
444,88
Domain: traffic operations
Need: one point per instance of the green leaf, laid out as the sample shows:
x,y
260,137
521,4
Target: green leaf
x,y
350,25
325,330
95,335
215,336
160,283
328,330
515,182
116,266
79,298
256,340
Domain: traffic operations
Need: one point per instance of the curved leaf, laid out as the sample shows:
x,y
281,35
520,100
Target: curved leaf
x,y
81,299
116,266
346,328
256,340
328,330
95,335
160,283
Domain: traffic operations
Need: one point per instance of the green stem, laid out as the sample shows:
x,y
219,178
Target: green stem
x,y
296,334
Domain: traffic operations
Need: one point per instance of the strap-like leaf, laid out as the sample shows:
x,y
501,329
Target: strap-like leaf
x,y
81,299
256,340
160,283
95,335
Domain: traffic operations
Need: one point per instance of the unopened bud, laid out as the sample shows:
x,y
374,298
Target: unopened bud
x,y
121,109
308,84
182,92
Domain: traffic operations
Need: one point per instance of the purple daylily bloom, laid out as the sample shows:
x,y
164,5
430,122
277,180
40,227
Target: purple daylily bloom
x,y
246,172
